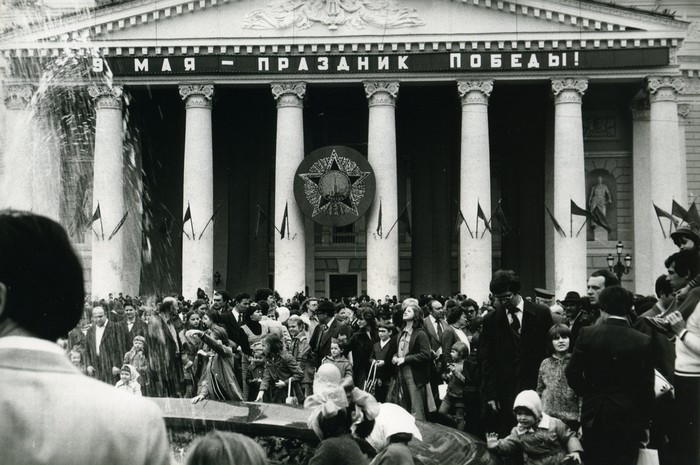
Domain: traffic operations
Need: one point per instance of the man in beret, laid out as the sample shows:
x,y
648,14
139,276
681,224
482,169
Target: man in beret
x,y
50,410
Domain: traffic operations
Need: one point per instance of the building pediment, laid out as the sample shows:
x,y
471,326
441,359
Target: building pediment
x,y
205,23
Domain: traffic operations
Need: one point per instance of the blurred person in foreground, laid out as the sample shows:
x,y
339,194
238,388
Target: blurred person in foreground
x,y
47,399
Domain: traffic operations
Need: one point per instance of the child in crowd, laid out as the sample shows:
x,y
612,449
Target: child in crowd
x,y
454,400
127,380
137,358
76,358
218,379
344,366
558,399
382,353
190,346
302,353
256,371
543,440
281,368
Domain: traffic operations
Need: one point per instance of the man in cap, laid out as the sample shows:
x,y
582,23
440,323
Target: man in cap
x,y
50,410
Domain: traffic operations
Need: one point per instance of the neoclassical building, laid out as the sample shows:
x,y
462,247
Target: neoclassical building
x,y
166,137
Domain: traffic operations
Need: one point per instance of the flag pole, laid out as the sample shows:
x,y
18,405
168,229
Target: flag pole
x,y
579,229
191,221
661,225
571,223
102,228
477,219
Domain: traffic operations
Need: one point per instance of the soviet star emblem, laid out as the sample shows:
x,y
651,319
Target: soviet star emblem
x,y
334,186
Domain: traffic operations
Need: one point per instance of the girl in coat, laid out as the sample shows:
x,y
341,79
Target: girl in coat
x,y
219,378
281,368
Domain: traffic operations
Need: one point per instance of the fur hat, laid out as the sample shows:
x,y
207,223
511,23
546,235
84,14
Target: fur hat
x,y
529,400
689,231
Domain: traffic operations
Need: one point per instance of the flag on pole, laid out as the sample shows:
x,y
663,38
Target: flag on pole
x,y
501,219
578,211
556,224
118,226
600,220
404,218
664,214
213,215
461,219
379,220
285,219
693,215
95,216
480,214
188,214
680,212
262,217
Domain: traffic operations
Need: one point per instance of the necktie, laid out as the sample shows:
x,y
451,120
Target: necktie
x,y
324,328
439,328
240,318
515,324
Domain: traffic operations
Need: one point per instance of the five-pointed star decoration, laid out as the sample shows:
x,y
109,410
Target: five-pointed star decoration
x,y
334,185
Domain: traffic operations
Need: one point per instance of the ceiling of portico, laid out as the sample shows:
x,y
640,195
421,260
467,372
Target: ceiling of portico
x,y
291,22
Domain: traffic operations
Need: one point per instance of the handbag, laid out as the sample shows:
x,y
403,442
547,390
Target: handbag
x,y
396,394
291,400
370,385
648,457
661,385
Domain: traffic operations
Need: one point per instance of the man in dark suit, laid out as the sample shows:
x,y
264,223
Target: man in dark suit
x,y
382,352
611,369
434,325
106,345
514,342
164,350
328,328
135,326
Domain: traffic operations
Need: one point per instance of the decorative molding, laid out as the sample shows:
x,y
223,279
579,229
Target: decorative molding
x,y
664,88
18,97
569,90
475,92
640,108
601,126
304,14
289,94
382,92
107,98
197,95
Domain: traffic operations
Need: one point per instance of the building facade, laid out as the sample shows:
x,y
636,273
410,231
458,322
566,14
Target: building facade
x,y
166,137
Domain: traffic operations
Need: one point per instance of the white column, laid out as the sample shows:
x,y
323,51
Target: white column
x,y
46,165
683,112
108,180
570,270
16,185
475,187
665,184
290,250
644,277
382,250
198,191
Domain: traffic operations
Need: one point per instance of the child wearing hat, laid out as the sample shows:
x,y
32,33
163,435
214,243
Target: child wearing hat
x,y
137,358
543,440
127,380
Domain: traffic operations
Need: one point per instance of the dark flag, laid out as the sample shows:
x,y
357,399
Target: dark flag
x,y
95,216
693,216
262,217
480,213
213,215
188,214
118,226
556,224
406,220
501,219
578,211
379,221
679,211
285,219
664,214
599,219
460,220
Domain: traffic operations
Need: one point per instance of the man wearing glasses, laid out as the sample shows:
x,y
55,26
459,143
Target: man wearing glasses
x,y
513,344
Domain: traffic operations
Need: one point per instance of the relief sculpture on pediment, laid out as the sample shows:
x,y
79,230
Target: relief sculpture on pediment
x,y
303,14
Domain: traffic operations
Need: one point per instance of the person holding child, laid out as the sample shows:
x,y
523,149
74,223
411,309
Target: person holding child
x,y
558,399
281,369
542,439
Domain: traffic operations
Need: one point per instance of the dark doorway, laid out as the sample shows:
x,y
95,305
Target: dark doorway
x,y
342,285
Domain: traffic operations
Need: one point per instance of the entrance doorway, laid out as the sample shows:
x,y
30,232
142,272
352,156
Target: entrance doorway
x,y
342,285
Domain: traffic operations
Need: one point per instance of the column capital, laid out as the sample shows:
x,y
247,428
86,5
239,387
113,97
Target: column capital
x,y
475,92
107,97
289,94
197,95
569,90
640,108
664,88
382,92
17,97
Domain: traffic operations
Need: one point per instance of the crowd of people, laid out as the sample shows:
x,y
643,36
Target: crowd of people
x,y
589,379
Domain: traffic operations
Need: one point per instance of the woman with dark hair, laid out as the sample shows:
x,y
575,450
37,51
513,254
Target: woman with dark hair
x,y
413,361
361,345
219,378
255,332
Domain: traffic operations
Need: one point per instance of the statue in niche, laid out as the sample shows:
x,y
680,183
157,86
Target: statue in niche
x,y
600,197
